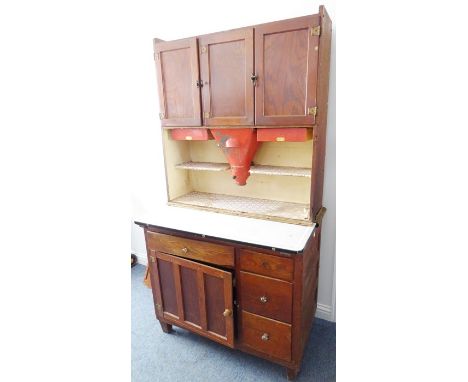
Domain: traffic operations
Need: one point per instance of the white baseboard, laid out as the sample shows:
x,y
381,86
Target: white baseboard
x,y
323,311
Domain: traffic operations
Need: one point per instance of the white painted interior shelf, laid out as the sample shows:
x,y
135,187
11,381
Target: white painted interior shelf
x,y
240,205
256,169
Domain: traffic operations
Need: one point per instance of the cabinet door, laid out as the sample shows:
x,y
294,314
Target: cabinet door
x,y
177,71
226,61
286,57
194,296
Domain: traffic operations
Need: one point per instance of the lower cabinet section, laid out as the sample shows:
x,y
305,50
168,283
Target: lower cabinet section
x,y
266,336
242,296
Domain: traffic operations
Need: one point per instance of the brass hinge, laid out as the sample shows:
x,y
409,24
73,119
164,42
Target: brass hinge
x,y
315,31
156,56
319,216
206,114
153,260
161,115
312,111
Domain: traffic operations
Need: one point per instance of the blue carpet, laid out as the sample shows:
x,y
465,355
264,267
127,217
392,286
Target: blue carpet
x,y
183,356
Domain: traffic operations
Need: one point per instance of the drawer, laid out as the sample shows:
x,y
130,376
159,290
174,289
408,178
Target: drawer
x,y
267,336
266,296
290,134
191,249
267,265
191,134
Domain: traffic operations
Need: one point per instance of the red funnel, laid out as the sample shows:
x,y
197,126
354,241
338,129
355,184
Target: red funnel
x,y
239,147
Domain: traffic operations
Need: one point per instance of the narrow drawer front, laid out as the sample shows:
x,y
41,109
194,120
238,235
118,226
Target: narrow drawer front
x,y
266,296
289,134
266,336
192,249
191,134
267,265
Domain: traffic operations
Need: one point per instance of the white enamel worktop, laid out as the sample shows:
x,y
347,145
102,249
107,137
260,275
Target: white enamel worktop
x,y
254,231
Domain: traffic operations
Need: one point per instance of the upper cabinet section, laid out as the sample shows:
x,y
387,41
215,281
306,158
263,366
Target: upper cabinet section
x,y
227,65
177,71
286,57
264,75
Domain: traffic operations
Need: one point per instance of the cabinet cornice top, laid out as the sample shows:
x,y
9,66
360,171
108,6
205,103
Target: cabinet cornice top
x,y
314,21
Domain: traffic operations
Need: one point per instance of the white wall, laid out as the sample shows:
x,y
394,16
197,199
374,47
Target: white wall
x,y
170,21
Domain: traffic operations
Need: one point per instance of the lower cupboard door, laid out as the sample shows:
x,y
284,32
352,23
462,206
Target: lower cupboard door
x,y
194,296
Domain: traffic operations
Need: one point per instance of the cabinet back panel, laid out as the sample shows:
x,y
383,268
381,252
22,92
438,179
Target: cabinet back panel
x,y
293,154
283,188
285,53
177,78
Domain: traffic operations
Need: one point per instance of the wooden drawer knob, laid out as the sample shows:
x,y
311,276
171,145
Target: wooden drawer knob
x,y
265,337
263,299
227,313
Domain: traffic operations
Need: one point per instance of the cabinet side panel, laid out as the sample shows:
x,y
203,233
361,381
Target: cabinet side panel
x,y
215,305
320,131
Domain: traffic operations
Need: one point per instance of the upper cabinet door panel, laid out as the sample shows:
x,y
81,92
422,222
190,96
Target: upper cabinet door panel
x,y
286,58
177,71
226,61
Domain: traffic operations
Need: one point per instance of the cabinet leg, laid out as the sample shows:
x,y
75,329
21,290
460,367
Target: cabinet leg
x,y
292,373
167,328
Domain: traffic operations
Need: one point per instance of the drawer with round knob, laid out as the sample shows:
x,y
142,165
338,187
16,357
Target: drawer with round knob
x,y
191,249
267,336
266,296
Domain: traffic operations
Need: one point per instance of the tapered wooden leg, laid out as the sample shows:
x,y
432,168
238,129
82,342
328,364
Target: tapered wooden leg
x,y
167,328
292,374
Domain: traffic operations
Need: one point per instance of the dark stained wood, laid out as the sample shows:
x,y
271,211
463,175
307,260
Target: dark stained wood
x,y
277,293
293,74
178,73
320,131
190,295
166,328
226,64
167,283
286,64
192,249
217,292
277,341
215,305
267,265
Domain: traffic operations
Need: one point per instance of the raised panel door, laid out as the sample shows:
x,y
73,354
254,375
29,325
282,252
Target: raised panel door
x,y
178,74
286,58
226,61
194,296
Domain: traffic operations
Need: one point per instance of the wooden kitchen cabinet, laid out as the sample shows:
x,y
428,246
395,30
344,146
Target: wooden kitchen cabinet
x,y
178,75
286,59
253,99
227,65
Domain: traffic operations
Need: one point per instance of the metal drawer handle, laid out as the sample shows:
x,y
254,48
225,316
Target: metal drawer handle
x,y
264,299
184,250
265,337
